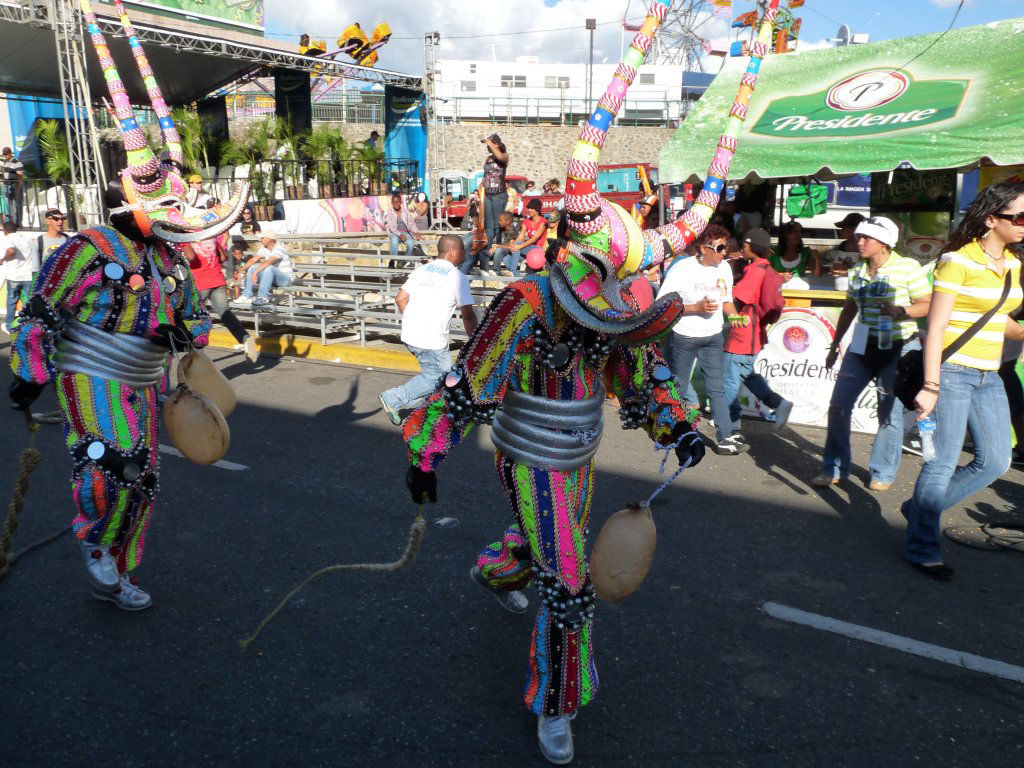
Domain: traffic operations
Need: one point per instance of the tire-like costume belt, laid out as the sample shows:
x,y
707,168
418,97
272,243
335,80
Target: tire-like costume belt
x,y
548,434
131,360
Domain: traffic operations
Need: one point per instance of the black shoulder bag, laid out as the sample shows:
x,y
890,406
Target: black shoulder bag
x,y
910,370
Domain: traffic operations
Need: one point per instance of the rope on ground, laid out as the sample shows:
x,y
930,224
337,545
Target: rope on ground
x,y
27,463
412,547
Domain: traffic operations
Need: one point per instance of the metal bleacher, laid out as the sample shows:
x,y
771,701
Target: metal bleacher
x,y
345,286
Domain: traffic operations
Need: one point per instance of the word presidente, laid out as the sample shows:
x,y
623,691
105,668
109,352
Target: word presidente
x,y
802,123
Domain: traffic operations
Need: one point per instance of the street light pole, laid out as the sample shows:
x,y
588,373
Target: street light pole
x,y
591,25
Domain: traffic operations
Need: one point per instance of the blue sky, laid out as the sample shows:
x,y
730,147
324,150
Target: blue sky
x,y
506,29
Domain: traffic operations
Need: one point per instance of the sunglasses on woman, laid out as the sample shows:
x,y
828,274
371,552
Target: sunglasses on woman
x,y
1017,219
720,248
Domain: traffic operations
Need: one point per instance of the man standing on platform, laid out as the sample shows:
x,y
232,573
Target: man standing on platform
x,y
427,301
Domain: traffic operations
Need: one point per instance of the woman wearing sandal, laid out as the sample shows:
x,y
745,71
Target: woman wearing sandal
x,y
965,391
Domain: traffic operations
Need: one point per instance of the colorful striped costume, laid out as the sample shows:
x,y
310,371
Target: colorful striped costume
x,y
528,344
101,282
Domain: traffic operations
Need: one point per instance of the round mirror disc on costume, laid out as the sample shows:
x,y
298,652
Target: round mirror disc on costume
x,y
180,272
454,377
136,282
131,472
559,355
96,450
113,271
170,284
661,373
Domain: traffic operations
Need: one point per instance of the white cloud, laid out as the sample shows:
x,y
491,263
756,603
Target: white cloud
x,y
462,24
809,45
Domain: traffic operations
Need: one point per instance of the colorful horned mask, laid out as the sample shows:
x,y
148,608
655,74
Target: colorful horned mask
x,y
155,188
598,280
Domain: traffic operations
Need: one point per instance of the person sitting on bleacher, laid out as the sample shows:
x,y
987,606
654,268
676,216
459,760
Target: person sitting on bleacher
x,y
400,224
271,266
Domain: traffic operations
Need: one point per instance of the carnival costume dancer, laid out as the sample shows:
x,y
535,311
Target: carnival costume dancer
x,y
104,310
537,368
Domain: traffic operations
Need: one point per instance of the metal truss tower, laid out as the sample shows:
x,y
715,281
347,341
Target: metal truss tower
x,y
80,129
679,40
436,151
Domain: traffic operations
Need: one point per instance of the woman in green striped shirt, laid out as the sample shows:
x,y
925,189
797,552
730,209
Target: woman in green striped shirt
x,y
882,283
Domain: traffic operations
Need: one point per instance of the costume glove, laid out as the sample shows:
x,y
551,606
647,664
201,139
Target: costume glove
x,y
173,337
421,484
691,450
24,393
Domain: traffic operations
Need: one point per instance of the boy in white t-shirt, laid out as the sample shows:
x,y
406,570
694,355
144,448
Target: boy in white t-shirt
x,y
704,283
16,258
427,301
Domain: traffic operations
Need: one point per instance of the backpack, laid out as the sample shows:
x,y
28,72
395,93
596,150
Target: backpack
x,y
769,301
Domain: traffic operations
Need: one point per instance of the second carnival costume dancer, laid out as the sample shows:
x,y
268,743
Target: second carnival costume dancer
x,y
104,312
538,367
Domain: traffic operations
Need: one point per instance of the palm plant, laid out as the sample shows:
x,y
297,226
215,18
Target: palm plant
x,y
370,164
54,146
193,138
252,150
325,147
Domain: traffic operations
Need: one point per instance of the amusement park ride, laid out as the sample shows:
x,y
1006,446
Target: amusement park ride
x,y
352,42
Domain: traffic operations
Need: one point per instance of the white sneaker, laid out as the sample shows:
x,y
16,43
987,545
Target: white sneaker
x,y
3,327
554,735
782,414
127,596
512,601
242,301
260,301
252,352
100,566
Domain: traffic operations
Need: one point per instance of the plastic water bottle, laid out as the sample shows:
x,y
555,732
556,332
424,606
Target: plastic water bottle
x,y
926,428
884,332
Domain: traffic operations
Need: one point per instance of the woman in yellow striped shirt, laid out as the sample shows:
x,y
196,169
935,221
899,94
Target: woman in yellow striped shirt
x,y
965,392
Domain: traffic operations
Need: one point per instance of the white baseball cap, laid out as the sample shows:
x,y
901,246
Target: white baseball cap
x,y
880,228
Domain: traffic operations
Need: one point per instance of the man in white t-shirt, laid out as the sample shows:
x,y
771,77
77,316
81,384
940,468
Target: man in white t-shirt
x,y
704,283
271,267
427,301
16,258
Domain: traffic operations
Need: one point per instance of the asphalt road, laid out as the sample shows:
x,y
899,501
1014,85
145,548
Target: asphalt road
x,y
423,669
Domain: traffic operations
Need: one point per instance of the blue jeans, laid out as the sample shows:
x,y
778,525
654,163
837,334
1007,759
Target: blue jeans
x,y
400,238
494,204
506,258
269,278
708,351
434,363
855,374
969,399
472,259
741,368
16,289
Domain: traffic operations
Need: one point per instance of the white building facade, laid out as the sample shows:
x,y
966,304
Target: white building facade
x,y
529,91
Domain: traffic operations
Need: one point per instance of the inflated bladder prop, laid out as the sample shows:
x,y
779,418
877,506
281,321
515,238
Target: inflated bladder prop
x,y
623,553
202,376
196,426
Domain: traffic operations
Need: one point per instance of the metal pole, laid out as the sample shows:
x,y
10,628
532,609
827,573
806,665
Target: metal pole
x,y
591,25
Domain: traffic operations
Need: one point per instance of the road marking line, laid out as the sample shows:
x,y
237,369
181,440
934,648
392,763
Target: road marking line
x,y
896,642
171,451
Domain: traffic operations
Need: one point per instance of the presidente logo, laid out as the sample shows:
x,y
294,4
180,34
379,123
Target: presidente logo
x,y
873,101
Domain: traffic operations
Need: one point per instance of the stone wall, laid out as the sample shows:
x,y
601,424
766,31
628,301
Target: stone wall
x,y
541,152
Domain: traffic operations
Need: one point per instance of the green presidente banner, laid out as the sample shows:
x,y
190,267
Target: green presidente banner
x,y
246,15
864,108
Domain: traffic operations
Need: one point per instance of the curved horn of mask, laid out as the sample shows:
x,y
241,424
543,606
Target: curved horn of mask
x,y
155,190
601,227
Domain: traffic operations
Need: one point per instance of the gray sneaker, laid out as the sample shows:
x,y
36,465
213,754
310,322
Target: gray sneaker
x,y
512,601
554,735
127,597
100,566
782,414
